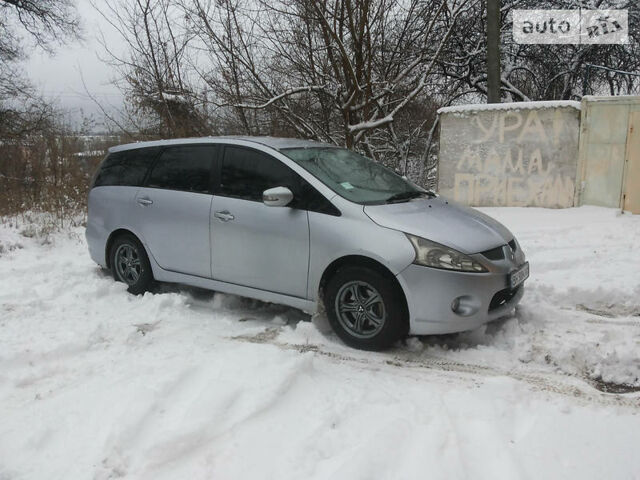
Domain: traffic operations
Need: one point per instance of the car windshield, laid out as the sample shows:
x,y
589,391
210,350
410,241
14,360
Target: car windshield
x,y
353,176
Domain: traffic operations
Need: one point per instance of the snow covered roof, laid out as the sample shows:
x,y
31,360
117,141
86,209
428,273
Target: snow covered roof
x,y
612,99
89,153
478,107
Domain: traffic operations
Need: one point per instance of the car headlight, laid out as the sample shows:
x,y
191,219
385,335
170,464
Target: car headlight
x,y
432,254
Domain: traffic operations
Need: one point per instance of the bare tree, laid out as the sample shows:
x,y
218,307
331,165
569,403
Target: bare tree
x,y
358,73
46,24
543,72
155,74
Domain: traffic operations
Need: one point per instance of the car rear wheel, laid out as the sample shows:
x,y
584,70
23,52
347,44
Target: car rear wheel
x,y
365,308
130,264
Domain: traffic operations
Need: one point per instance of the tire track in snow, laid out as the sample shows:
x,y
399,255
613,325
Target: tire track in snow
x,y
550,382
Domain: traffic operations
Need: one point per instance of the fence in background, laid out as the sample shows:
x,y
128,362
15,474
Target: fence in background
x,y
545,154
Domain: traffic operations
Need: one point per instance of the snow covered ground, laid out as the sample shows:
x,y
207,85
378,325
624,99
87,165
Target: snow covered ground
x,y
96,383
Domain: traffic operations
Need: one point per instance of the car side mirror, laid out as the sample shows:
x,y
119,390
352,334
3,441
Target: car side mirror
x,y
277,197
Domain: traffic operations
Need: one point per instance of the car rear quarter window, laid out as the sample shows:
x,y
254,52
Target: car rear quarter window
x,y
185,168
127,168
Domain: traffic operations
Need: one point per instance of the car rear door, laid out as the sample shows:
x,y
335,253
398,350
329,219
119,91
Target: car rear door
x,y
173,209
252,244
112,196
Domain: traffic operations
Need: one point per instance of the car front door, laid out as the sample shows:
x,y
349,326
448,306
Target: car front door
x,y
173,209
253,244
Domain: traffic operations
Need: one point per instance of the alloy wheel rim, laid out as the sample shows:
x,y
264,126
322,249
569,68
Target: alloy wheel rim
x,y
360,309
128,264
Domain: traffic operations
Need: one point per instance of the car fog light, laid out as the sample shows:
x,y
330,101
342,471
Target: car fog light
x,y
465,305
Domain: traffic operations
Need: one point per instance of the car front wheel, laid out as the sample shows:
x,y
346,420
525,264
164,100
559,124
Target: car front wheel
x,y
365,308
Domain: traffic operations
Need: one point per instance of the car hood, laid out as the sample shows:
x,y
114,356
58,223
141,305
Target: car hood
x,y
442,221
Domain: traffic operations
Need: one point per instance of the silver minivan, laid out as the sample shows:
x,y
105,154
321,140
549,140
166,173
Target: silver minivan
x,y
304,224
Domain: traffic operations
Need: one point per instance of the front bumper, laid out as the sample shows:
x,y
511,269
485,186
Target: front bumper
x,y
431,292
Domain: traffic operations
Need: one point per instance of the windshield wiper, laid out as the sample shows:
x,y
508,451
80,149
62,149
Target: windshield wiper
x,y
404,196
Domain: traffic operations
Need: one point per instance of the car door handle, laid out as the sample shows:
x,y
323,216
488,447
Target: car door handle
x,y
224,215
145,201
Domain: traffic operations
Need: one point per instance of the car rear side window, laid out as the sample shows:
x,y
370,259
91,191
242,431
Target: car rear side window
x,y
186,168
246,173
126,168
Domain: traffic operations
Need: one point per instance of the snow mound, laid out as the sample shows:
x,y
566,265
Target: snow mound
x,y
185,383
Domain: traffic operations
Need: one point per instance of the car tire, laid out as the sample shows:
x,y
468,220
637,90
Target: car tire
x,y
130,264
366,309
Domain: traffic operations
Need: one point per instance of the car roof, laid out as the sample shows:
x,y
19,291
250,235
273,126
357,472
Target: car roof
x,y
277,143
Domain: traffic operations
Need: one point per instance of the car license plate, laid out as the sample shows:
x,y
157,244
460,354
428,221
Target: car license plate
x,y
519,276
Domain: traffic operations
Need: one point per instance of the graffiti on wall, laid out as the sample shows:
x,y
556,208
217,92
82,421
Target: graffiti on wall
x,y
512,159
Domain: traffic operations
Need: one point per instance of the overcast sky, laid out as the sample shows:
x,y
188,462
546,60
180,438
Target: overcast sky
x,y
59,77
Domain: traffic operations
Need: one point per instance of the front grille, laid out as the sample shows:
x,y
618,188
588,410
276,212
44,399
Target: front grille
x,y
494,253
498,252
502,297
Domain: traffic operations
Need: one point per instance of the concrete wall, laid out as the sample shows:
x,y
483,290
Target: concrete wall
x,y
518,154
603,140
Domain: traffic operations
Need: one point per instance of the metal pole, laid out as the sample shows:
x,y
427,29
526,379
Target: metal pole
x,y
585,80
493,51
